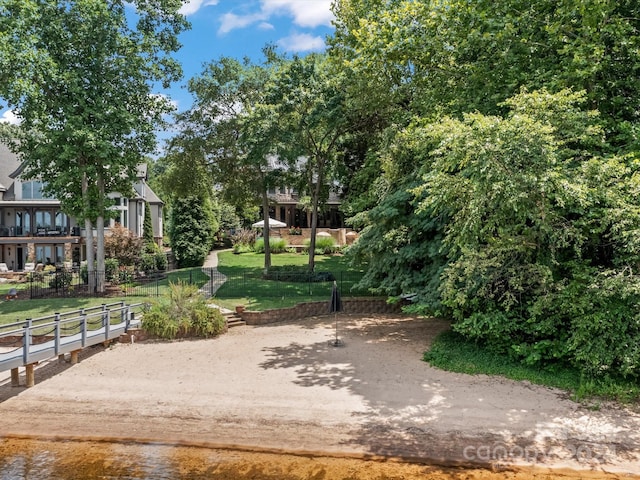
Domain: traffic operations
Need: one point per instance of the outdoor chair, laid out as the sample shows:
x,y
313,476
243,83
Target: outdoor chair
x,y
29,267
3,268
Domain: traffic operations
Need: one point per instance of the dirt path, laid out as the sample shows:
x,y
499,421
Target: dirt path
x,y
285,388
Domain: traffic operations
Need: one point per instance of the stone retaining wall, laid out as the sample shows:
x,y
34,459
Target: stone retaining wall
x,y
311,309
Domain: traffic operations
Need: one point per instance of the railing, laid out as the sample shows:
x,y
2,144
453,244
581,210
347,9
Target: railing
x,y
286,284
238,284
40,231
34,340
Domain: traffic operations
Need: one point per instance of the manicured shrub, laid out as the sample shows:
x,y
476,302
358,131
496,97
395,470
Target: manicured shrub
x,y
148,263
61,280
111,267
183,313
278,245
324,245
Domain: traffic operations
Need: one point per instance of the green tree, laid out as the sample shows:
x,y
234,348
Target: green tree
x,y
540,233
426,58
310,109
80,78
147,226
192,230
226,137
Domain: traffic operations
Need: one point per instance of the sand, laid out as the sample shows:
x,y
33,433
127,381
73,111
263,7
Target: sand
x,y
285,388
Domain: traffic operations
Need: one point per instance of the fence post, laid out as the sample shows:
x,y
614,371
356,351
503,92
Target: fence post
x,y
26,341
57,337
107,324
83,327
126,312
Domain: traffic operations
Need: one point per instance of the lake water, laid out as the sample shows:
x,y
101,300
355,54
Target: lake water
x,y
72,460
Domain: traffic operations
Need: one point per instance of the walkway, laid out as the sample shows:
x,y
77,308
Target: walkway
x,y
216,279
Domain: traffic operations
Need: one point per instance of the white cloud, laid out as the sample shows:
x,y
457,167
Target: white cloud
x,y
192,6
9,117
301,42
266,26
231,21
306,13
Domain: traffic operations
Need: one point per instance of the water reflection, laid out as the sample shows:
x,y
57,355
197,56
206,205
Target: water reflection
x,y
69,460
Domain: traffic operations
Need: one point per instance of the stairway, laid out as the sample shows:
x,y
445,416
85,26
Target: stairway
x,y
234,320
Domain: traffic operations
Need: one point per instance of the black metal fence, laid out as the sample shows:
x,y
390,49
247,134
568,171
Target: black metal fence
x,y
66,283
287,284
241,283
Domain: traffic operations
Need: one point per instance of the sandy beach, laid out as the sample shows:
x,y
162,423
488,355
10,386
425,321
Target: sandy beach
x,y
285,388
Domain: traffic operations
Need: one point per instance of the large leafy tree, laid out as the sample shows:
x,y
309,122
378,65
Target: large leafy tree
x,y
525,209
80,78
455,56
226,137
541,232
310,106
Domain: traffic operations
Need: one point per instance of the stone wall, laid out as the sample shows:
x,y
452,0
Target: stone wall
x,y
302,310
338,234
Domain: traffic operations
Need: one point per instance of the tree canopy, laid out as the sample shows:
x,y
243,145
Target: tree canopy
x,y
80,78
506,195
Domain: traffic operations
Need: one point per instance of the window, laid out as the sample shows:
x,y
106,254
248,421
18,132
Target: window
x,y
43,254
43,219
32,190
121,212
23,223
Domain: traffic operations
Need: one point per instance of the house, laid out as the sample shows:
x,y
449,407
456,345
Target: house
x,y
286,205
33,228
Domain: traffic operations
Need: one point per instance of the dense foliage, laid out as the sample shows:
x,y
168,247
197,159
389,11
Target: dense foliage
x,y
502,187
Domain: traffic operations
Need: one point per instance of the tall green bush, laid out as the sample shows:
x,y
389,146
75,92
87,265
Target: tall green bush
x,y
192,230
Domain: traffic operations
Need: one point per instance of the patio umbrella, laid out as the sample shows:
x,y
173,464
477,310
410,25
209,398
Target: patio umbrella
x,y
335,306
273,223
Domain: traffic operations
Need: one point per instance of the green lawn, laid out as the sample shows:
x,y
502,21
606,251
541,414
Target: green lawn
x,y
24,307
246,285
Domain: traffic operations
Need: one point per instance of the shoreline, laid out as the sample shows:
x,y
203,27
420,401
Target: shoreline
x,y
281,389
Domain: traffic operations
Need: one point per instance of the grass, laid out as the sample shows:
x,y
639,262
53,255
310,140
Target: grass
x,y
246,286
452,352
24,308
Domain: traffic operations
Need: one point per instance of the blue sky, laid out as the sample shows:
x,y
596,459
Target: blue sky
x,y
239,28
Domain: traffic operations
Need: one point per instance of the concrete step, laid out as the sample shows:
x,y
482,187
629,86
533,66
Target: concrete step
x,y
234,320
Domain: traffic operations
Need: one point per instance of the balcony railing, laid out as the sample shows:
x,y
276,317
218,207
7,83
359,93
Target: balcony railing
x,y
41,231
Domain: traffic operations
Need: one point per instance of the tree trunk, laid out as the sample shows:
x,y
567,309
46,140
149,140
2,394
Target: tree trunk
x,y
100,267
91,269
88,227
265,231
315,199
